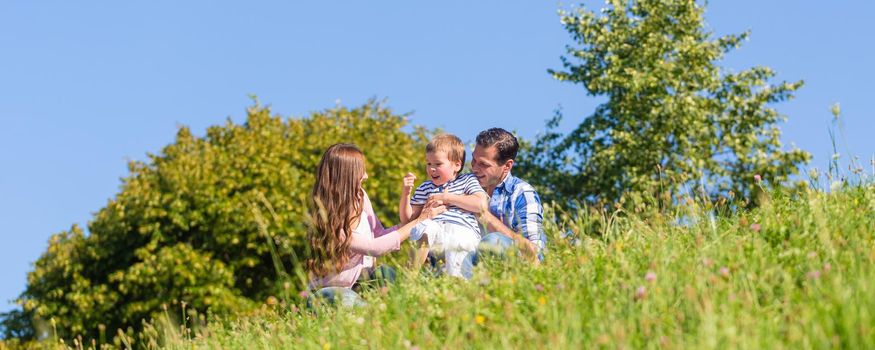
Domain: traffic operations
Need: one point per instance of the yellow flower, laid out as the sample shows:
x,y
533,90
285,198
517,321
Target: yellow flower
x,y
480,319
542,301
326,346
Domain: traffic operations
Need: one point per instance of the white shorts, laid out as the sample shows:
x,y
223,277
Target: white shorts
x,y
456,244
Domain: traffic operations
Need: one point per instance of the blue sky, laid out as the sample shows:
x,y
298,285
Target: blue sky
x,y
87,86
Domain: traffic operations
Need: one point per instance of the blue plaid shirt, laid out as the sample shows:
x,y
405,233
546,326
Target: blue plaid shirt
x,y
518,206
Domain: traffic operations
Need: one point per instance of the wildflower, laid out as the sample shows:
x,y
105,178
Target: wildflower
x,y
640,293
755,227
326,346
303,294
539,288
295,309
707,262
271,301
384,290
480,319
650,276
827,267
542,301
724,271
814,274
758,178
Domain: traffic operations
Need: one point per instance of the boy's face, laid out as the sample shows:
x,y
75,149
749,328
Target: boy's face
x,y
439,168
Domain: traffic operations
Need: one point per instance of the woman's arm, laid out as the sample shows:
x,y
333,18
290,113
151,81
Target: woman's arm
x,y
390,239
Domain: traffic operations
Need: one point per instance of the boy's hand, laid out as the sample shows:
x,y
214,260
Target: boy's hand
x,y
407,183
440,197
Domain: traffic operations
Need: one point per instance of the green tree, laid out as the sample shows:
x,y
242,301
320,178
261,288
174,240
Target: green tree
x,y
216,222
672,116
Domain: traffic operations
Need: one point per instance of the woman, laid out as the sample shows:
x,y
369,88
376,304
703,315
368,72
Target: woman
x,y
345,234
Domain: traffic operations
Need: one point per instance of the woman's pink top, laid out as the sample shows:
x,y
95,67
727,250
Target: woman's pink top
x,y
369,239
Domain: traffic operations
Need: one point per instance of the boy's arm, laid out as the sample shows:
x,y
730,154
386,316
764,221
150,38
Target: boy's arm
x,y
407,212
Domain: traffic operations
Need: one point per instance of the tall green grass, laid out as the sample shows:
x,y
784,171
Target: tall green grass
x,y
798,272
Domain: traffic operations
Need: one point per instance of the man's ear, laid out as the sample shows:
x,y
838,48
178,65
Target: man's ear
x,y
508,164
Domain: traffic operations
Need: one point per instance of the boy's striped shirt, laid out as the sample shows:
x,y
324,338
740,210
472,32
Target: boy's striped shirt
x,y
462,185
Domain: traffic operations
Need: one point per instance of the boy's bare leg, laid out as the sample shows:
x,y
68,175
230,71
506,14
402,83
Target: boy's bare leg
x,y
420,253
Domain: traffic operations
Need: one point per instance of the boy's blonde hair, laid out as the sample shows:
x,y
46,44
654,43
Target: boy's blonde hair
x,y
449,144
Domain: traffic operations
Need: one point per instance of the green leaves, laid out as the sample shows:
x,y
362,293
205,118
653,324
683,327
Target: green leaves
x,y
183,229
671,120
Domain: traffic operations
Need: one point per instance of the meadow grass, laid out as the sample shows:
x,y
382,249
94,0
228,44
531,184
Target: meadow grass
x,y
795,273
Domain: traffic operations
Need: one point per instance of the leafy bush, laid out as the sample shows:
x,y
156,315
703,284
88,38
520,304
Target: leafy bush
x,y
186,226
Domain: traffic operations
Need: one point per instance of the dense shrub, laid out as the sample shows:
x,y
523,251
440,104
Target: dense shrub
x,y
188,225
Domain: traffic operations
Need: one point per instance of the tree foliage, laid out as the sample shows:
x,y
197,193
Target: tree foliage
x,y
672,117
215,222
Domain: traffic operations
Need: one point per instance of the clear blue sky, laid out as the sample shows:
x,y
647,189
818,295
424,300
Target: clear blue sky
x,y
86,85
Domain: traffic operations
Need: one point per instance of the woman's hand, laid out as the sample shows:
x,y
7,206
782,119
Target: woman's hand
x,y
432,209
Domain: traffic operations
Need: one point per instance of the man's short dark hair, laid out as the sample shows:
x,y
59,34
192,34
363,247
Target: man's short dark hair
x,y
506,145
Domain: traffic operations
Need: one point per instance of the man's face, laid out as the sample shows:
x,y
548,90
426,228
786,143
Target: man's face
x,y
487,169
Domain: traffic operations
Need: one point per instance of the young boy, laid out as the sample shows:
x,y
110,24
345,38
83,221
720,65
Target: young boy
x,y
453,235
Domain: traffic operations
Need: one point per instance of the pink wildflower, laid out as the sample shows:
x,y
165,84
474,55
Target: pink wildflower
x,y
724,271
755,227
758,178
707,262
814,274
640,293
827,267
303,294
539,288
650,276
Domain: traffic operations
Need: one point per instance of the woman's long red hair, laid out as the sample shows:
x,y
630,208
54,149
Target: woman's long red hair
x,y
336,202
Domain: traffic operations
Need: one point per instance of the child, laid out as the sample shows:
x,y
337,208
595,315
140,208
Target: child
x,y
453,235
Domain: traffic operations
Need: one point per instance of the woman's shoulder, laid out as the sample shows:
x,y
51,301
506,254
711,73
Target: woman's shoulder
x,y
366,202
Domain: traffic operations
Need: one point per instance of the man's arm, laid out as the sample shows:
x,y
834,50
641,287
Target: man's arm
x,y
530,214
493,224
468,202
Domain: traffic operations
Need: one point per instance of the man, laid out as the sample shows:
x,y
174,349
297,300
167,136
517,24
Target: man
x,y
516,212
